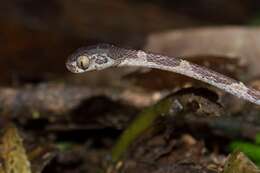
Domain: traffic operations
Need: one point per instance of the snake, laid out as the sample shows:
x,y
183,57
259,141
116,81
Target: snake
x,y
103,56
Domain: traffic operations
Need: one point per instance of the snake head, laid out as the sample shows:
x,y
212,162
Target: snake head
x,y
90,59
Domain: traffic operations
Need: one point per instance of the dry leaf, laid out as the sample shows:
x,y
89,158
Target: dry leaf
x,y
14,155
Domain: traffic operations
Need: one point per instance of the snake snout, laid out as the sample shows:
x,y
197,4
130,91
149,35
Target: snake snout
x,y
72,68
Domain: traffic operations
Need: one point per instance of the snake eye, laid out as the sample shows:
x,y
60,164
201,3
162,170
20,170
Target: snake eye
x,y
83,62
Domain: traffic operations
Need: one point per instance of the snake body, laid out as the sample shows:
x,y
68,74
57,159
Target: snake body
x,y
103,56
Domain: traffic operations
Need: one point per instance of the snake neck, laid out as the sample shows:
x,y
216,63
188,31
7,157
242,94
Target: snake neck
x,y
180,66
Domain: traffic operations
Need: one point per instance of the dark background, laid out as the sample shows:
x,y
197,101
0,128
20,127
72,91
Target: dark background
x,y
52,107
37,36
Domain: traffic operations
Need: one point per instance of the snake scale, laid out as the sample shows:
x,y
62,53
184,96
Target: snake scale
x,y
103,56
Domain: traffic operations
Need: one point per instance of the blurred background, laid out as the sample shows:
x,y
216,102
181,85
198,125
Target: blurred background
x,y
37,36
71,122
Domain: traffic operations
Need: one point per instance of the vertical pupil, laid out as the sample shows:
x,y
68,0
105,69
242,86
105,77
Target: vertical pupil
x,y
82,63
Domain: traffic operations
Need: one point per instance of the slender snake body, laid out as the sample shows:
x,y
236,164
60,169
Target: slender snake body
x,y
103,56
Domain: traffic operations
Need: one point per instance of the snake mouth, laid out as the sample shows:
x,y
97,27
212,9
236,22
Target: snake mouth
x,y
72,67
